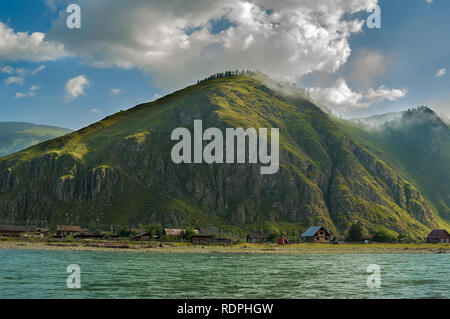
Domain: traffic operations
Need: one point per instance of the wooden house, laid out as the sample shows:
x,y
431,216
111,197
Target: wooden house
x,y
283,240
63,230
316,234
172,232
16,231
145,236
257,238
84,234
438,236
201,240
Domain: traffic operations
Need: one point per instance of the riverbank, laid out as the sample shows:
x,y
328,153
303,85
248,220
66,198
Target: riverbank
x,y
166,247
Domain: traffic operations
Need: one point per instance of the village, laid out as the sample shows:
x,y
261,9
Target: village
x,y
315,239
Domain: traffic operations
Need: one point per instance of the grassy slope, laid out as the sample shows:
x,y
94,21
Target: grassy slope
x,y
15,137
305,136
432,182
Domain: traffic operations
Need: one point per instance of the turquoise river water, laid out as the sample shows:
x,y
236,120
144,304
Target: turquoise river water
x,y
42,274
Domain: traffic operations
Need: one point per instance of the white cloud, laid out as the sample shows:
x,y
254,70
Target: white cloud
x,y
20,95
75,87
116,91
429,1
94,110
340,98
16,46
39,69
441,72
14,80
383,93
33,89
176,40
8,70
19,74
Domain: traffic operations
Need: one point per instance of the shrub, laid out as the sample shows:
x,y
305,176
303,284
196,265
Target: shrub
x,y
384,236
273,236
125,231
356,233
155,229
188,233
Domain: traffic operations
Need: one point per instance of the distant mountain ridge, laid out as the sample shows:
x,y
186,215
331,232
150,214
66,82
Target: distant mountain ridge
x,y
16,136
119,171
379,120
417,144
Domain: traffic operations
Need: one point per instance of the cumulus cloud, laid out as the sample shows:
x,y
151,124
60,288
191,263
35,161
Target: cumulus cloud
x,y
38,69
75,87
20,95
115,91
179,41
441,72
31,92
7,69
15,80
17,46
18,75
383,93
340,98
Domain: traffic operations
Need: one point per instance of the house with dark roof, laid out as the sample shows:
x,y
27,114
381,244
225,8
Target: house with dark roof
x,y
438,236
257,238
316,234
16,231
201,239
63,230
145,236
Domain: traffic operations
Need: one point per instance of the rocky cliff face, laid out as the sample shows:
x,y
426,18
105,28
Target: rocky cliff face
x,y
119,171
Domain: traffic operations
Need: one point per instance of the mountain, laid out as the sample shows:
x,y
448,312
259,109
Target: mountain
x,y
415,143
119,171
16,136
378,120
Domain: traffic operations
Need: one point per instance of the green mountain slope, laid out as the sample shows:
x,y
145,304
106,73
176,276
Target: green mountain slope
x,y
417,144
119,170
16,136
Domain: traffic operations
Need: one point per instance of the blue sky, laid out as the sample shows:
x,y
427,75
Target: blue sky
x,y
414,33
412,46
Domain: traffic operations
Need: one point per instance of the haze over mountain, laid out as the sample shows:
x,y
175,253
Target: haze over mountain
x,y
415,142
16,136
119,170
